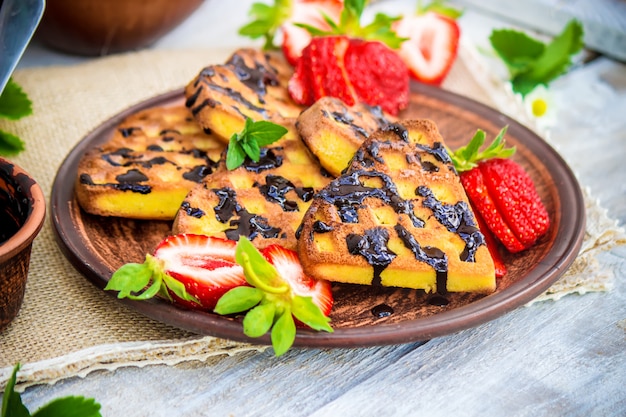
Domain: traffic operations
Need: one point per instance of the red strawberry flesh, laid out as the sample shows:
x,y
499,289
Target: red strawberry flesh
x,y
288,266
432,45
205,265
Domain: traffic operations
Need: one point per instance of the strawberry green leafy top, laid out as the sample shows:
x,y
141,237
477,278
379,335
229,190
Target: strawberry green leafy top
x,y
467,157
350,24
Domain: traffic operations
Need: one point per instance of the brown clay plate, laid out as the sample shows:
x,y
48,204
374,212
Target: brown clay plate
x,y
97,246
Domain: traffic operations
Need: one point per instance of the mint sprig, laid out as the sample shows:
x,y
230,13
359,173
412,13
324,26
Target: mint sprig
x,y
72,406
467,157
531,62
144,281
350,25
14,105
250,140
270,302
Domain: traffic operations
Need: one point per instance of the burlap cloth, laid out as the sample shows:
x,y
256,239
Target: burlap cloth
x,y
66,327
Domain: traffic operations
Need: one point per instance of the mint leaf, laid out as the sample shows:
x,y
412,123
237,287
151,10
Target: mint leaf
x,y
14,103
283,333
264,132
12,405
516,49
259,320
249,141
70,407
531,62
10,144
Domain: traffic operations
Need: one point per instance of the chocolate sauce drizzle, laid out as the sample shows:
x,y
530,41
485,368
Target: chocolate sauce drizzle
x,y
347,194
457,219
373,247
248,224
276,188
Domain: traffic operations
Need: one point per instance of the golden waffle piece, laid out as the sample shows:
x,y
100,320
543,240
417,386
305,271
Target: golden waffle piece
x,y
397,217
334,131
148,166
250,84
264,200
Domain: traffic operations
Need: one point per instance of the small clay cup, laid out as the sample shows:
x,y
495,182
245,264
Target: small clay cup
x,y
22,213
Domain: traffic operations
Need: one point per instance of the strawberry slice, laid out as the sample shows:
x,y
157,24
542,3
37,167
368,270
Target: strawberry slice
x,y
193,271
289,267
432,45
280,298
309,12
204,265
352,70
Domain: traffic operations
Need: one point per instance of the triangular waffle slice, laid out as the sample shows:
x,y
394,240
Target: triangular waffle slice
x,y
144,171
334,131
264,200
250,84
397,217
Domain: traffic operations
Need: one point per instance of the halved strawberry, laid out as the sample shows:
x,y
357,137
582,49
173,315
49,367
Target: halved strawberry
x,y
280,298
289,267
192,270
352,70
432,45
309,12
205,265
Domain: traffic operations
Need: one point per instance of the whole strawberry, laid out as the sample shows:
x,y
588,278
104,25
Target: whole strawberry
x,y
501,192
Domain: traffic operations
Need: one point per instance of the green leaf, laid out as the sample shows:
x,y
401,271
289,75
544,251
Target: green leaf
x,y
259,320
237,300
235,156
130,278
252,149
258,271
467,157
12,405
74,406
516,49
531,62
553,62
309,313
14,102
266,20
264,132
178,288
10,144
439,7
249,141
283,333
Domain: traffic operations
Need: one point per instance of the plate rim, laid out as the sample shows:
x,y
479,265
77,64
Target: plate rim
x,y
568,241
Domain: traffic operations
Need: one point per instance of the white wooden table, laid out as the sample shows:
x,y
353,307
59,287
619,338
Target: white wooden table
x,y
565,358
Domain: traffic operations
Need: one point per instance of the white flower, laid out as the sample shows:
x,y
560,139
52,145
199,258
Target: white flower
x,y
541,106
